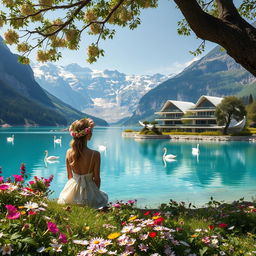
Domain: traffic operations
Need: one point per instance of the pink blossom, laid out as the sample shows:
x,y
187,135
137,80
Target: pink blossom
x,y
117,205
143,247
63,238
12,212
1,179
206,240
52,227
18,178
4,187
31,182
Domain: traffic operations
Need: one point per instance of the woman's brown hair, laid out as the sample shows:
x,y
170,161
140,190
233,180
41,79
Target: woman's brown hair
x,y
80,130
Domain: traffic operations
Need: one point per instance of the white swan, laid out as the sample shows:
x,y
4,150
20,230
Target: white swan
x,y
10,139
195,151
50,158
102,148
57,141
169,157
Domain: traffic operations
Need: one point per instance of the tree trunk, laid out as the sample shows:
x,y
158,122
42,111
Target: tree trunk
x,y
229,30
225,130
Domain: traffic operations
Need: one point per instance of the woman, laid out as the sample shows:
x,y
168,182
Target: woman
x,y
83,167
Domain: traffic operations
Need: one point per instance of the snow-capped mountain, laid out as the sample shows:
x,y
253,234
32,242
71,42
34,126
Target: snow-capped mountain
x,y
108,94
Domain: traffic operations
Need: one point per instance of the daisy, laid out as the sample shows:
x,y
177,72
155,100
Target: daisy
x,y
81,242
31,205
6,249
143,247
143,236
56,247
96,241
101,250
112,252
135,230
127,229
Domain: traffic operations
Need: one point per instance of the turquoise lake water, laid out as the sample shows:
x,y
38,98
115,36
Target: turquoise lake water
x,y
135,170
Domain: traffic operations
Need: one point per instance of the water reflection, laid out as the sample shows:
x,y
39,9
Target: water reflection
x,y
135,169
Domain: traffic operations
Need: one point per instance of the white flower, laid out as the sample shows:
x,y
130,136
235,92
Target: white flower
x,y
41,249
31,205
1,234
135,230
85,253
143,247
143,236
222,253
127,229
6,249
81,242
155,254
12,187
112,252
215,241
101,250
198,230
56,247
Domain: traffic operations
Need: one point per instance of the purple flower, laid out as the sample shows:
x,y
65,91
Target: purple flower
x,y
63,238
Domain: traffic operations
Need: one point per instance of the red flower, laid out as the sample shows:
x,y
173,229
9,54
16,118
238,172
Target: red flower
x,y
152,234
223,225
211,227
52,227
30,212
147,213
159,221
156,214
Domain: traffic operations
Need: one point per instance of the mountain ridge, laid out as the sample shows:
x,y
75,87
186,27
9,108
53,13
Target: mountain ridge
x,y
215,74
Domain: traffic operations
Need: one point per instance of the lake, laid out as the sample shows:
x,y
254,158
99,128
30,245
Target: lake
x,y
135,169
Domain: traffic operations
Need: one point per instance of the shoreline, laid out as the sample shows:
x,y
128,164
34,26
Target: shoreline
x,y
137,136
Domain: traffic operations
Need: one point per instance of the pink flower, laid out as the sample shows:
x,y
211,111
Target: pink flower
x,y
1,179
31,182
206,240
4,187
18,178
117,205
12,212
52,227
87,130
63,238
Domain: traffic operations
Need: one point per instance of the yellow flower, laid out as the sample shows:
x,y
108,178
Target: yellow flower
x,y
133,218
113,235
156,217
21,207
22,212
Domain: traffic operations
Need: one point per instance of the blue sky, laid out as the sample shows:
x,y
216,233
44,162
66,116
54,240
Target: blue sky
x,y
154,47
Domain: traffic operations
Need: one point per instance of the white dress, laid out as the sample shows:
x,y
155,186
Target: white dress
x,y
81,189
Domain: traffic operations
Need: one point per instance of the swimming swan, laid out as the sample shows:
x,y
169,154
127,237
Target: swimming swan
x,y
10,139
168,157
57,141
50,158
195,151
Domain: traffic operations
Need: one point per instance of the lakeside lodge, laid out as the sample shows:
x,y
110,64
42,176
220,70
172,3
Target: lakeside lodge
x,y
189,117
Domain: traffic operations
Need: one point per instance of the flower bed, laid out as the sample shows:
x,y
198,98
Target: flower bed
x,y
33,225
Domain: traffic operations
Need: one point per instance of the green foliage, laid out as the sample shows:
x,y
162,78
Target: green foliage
x,y
128,130
230,108
213,133
251,113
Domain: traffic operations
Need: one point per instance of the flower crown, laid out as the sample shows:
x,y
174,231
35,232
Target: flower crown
x,y
83,132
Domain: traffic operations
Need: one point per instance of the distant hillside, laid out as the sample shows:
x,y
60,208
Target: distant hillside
x,y
24,102
216,74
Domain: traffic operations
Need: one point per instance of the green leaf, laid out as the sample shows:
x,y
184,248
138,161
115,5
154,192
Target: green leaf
x,y
203,251
15,236
29,240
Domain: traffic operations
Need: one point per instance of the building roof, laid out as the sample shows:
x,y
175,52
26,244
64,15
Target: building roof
x,y
214,100
182,105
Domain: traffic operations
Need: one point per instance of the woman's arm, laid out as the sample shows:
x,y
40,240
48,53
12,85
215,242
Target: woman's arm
x,y
69,170
96,169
